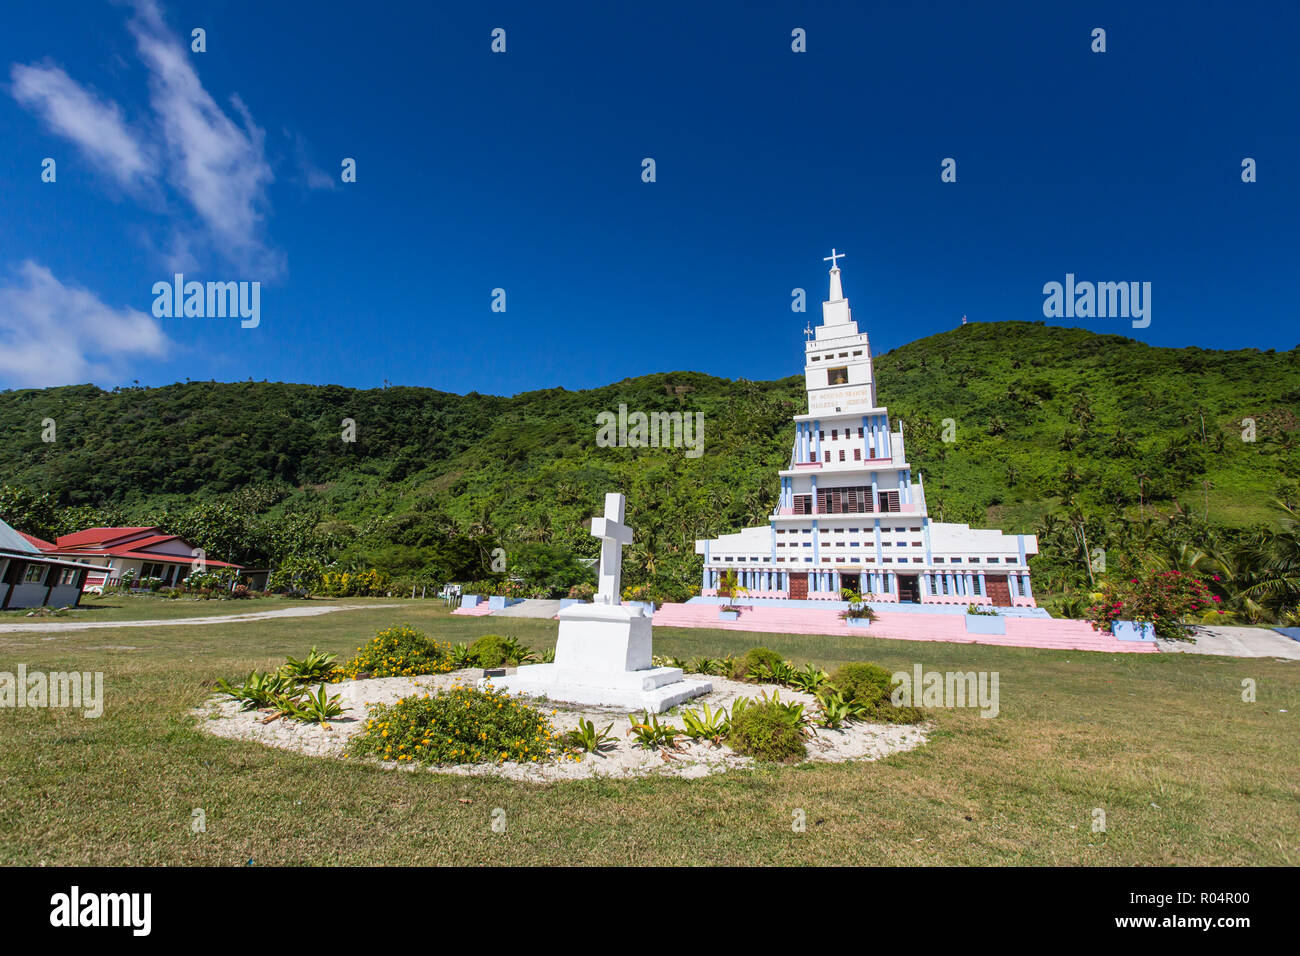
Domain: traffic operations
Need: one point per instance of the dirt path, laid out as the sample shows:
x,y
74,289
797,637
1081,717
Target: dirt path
x,y
307,610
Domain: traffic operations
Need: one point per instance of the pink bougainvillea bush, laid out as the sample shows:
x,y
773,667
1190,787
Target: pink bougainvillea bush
x,y
1169,600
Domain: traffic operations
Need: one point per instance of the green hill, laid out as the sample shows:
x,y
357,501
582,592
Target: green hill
x,y
1043,420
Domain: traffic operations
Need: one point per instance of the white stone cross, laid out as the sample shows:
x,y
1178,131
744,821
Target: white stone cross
x,y
833,256
615,535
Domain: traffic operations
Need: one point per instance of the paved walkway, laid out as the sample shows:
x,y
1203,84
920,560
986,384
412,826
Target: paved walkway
x,y
48,625
1237,642
530,607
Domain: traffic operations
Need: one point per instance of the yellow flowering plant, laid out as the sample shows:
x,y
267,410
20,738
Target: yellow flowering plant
x,y
400,651
458,726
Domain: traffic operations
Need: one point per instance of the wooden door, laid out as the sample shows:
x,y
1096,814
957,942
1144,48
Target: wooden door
x,y
908,592
999,594
799,587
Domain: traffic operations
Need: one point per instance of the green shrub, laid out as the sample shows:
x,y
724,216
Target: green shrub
x,y
867,688
754,657
886,713
766,731
491,650
863,683
456,726
399,651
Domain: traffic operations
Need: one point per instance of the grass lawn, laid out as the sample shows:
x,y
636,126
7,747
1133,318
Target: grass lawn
x,y
1185,771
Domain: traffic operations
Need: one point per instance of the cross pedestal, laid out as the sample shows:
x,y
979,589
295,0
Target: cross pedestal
x,y
603,652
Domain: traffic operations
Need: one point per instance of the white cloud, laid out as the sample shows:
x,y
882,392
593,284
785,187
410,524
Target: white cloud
x,y
54,334
94,125
310,175
219,166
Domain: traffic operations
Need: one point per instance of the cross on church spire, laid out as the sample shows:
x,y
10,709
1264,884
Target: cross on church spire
x,y
833,256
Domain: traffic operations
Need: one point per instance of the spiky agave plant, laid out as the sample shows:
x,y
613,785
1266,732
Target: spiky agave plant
x,y
316,666
651,734
317,708
588,738
258,689
706,724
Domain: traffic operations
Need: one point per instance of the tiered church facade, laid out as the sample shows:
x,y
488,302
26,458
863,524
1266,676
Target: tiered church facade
x,y
850,513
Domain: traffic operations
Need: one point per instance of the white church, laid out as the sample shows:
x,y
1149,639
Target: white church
x,y
850,513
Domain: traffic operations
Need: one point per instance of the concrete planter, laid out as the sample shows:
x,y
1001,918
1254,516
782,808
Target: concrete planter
x,y
858,621
1133,631
498,602
470,600
728,615
985,624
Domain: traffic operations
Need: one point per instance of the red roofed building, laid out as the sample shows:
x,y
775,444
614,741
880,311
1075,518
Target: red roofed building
x,y
31,577
149,552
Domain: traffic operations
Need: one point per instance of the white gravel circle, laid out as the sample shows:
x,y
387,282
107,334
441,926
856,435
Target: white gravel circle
x,y
858,741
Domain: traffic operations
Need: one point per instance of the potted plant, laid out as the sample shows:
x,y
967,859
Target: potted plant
x,y
859,612
641,595
730,588
1155,605
578,594
984,620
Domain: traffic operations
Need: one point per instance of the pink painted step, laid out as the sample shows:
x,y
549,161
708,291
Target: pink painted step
x,y
1021,632
477,611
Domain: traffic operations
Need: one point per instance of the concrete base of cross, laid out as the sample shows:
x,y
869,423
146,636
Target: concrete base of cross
x,y
603,659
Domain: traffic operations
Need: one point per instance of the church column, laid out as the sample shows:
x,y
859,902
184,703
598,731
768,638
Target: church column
x,y
705,584
1025,586
866,439
817,435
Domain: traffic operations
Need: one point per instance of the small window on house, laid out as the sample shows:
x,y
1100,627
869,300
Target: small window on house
x,y
834,434
837,376
859,432
841,454
857,454
828,456
35,573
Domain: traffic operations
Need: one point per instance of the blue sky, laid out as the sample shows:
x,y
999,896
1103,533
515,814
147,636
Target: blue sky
x,y
522,171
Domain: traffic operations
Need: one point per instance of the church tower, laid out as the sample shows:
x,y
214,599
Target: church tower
x,y
837,361
849,513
